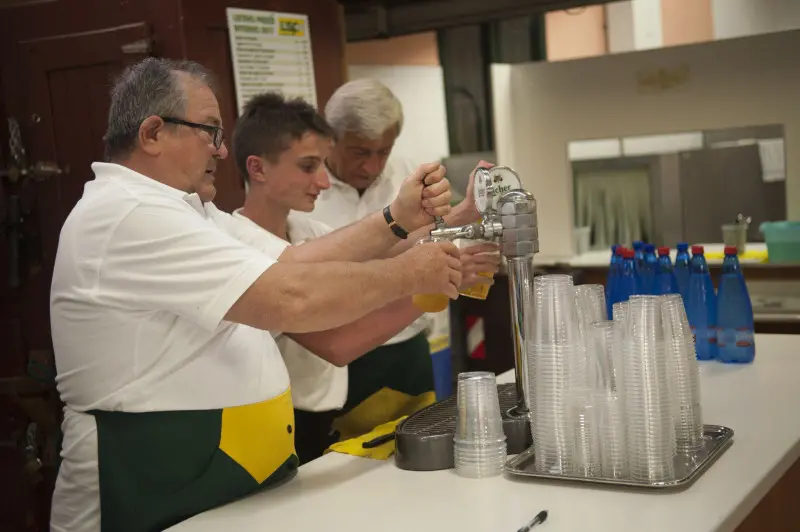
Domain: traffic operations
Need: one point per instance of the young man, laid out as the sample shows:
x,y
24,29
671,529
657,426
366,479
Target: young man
x,y
280,147
176,396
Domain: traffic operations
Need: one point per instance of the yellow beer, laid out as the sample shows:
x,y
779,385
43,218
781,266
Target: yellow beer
x,y
478,290
431,302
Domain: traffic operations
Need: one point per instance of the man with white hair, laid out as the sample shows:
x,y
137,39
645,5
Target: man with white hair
x,y
367,118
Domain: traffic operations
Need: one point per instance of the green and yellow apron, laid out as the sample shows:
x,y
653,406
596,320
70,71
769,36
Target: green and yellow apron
x,y
386,384
159,468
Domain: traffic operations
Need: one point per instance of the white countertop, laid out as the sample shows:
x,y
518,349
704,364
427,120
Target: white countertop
x,y
601,258
759,402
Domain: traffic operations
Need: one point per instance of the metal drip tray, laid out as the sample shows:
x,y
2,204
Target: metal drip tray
x,y
424,441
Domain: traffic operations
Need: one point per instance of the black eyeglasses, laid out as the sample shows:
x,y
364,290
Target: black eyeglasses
x,y
216,132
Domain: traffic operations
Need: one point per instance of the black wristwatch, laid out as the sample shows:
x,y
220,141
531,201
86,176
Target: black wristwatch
x,y
396,229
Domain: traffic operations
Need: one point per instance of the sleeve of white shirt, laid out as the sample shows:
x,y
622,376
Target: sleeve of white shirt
x,y
165,258
247,233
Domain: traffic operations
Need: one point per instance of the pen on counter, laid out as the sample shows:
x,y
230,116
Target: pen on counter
x,y
541,517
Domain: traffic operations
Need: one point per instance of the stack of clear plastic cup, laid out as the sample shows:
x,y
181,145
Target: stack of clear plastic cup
x,y
684,375
613,447
552,353
591,302
650,430
601,352
479,443
589,307
620,313
584,418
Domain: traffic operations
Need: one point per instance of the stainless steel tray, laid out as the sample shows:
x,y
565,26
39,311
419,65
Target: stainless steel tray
x,y
688,466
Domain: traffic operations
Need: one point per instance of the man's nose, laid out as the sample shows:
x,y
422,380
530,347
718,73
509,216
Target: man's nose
x,y
373,166
222,152
322,180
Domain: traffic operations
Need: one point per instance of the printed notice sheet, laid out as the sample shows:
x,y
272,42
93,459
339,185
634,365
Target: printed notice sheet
x,y
271,52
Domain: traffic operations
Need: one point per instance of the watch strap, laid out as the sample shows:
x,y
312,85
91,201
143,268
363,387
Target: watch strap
x,y
396,229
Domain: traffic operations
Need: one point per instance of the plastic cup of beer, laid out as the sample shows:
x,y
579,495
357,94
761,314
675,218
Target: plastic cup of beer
x,y
430,302
478,290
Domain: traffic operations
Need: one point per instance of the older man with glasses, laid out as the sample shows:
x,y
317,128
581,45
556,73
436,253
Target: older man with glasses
x,y
176,396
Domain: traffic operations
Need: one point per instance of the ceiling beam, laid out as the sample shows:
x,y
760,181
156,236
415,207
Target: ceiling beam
x,y
387,20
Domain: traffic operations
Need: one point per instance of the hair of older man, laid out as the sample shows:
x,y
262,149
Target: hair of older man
x,y
151,87
364,107
268,125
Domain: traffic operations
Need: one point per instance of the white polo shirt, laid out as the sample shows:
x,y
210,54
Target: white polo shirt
x,y
317,385
341,205
143,277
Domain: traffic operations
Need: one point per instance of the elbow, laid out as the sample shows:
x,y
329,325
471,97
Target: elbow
x,y
340,360
296,309
340,354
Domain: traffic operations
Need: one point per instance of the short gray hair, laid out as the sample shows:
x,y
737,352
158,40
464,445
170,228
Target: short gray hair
x,y
149,87
365,107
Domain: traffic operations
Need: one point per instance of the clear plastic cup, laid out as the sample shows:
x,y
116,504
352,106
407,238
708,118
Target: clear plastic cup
x,y
586,460
600,351
650,429
684,376
430,302
619,311
613,443
555,317
479,446
591,302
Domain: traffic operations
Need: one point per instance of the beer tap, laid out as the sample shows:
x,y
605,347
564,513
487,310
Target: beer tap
x,y
508,219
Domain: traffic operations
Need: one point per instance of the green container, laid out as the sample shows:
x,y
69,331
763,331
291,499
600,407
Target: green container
x,y
783,241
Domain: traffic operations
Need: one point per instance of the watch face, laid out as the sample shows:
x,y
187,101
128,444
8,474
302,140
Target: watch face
x,y
483,186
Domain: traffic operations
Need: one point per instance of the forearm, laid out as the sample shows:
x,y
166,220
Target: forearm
x,y
297,298
342,345
363,240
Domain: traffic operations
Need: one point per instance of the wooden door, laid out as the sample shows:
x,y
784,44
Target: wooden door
x,y
59,98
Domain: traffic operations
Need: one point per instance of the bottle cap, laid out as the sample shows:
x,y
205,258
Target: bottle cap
x,y
697,250
638,245
621,251
663,251
683,246
614,249
730,250
628,254
649,248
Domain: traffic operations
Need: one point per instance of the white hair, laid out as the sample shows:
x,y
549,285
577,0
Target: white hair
x,y
365,107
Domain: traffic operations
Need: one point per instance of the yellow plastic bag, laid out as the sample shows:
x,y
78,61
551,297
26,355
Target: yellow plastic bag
x,y
355,446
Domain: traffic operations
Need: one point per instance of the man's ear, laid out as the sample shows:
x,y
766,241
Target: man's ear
x,y
150,132
256,168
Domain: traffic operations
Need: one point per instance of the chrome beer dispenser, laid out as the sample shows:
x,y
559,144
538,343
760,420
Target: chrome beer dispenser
x,y
425,440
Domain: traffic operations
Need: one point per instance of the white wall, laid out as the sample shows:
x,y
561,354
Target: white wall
x,y
738,18
619,27
421,91
647,30
540,107
634,25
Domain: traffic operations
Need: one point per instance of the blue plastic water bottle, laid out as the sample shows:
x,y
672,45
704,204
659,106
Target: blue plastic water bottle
x,y
625,285
613,273
735,338
638,253
682,268
648,271
665,281
701,306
